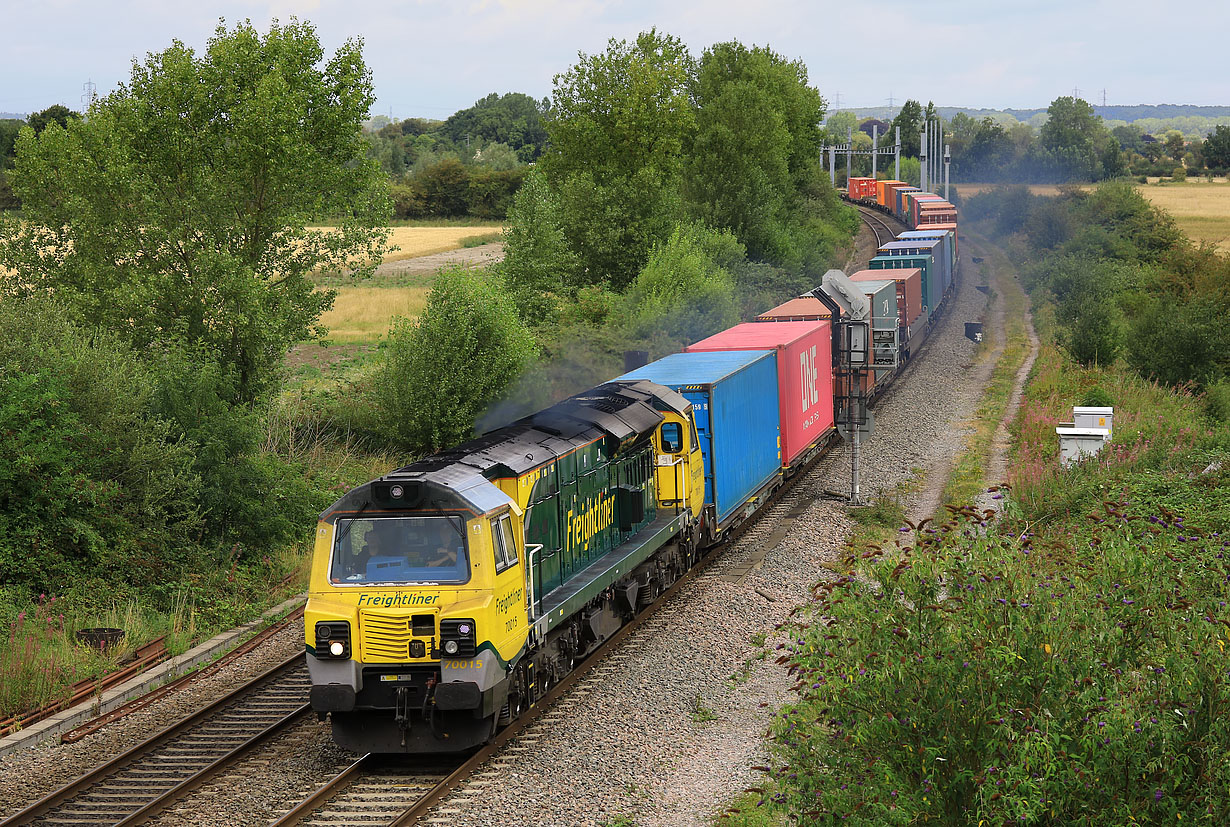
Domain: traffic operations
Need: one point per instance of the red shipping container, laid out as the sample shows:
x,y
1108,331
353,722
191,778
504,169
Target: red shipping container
x,y
860,188
804,374
803,309
909,290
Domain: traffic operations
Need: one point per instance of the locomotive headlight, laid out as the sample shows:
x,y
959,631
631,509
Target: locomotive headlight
x,y
397,492
332,639
458,637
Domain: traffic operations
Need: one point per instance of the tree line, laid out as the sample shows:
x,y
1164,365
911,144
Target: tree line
x,y
157,275
1073,143
168,245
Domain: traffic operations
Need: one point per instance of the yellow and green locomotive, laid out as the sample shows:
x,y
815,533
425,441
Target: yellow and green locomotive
x,y
448,595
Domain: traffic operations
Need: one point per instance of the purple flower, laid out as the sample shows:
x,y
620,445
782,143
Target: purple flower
x,y
1157,795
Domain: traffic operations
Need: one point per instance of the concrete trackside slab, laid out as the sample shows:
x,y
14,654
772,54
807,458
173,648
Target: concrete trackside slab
x,y
138,685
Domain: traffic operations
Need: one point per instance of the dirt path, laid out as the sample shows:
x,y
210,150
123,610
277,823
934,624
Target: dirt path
x,y
929,497
469,257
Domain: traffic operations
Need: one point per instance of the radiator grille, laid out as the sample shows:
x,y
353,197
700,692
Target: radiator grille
x,y
386,638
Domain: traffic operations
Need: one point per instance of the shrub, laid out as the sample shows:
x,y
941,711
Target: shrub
x,y
988,677
686,291
1217,400
1096,397
91,478
442,371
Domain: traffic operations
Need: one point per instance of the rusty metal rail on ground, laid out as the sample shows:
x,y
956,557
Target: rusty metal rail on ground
x,y
150,654
139,783
191,677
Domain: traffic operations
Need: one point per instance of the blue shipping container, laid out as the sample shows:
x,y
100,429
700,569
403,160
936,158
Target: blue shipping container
x,y
734,399
950,243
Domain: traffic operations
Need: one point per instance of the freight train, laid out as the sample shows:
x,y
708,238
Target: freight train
x,y
448,595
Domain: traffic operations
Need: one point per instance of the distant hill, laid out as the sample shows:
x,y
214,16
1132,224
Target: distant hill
x,y
1161,111
13,116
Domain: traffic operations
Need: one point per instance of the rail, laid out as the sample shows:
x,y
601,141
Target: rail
x,y
124,790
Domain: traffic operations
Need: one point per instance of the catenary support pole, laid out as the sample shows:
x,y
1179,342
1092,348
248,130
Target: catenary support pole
x,y
875,147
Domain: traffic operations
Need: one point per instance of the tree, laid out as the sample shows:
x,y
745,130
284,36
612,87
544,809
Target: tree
x,y
56,113
617,128
514,119
9,127
177,212
1073,135
1130,137
1217,148
538,264
756,133
909,121
1175,145
443,370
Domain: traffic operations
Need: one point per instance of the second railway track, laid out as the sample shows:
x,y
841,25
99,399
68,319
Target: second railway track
x,y
136,785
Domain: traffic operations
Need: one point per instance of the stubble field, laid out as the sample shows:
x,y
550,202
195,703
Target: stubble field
x,y
1201,208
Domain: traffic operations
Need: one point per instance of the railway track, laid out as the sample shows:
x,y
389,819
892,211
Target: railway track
x,y
879,228
138,784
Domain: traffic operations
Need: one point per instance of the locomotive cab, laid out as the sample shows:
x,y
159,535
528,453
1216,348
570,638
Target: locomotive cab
x,y
680,472
417,611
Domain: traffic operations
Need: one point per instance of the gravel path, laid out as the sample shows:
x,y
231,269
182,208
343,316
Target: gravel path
x,y
480,256
665,730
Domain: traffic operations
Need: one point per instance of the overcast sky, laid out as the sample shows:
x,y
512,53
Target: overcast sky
x,y
430,58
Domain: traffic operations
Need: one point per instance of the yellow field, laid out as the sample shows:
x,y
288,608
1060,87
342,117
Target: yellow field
x,y
967,190
425,241
1201,209
363,314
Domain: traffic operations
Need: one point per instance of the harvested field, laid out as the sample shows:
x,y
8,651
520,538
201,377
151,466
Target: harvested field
x,y
424,241
1202,209
363,314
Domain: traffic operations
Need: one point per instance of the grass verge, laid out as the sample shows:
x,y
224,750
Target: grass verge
x,y
966,479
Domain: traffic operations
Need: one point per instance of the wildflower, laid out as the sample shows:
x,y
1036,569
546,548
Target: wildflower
x,y
1157,795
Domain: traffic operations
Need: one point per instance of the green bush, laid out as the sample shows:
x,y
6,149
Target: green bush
x,y
1217,400
686,291
986,677
442,371
91,478
1096,397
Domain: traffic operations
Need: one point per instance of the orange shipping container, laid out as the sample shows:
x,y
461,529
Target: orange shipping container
x,y
884,190
803,309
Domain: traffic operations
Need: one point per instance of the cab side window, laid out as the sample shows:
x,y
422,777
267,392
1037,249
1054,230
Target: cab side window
x,y
672,437
504,544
